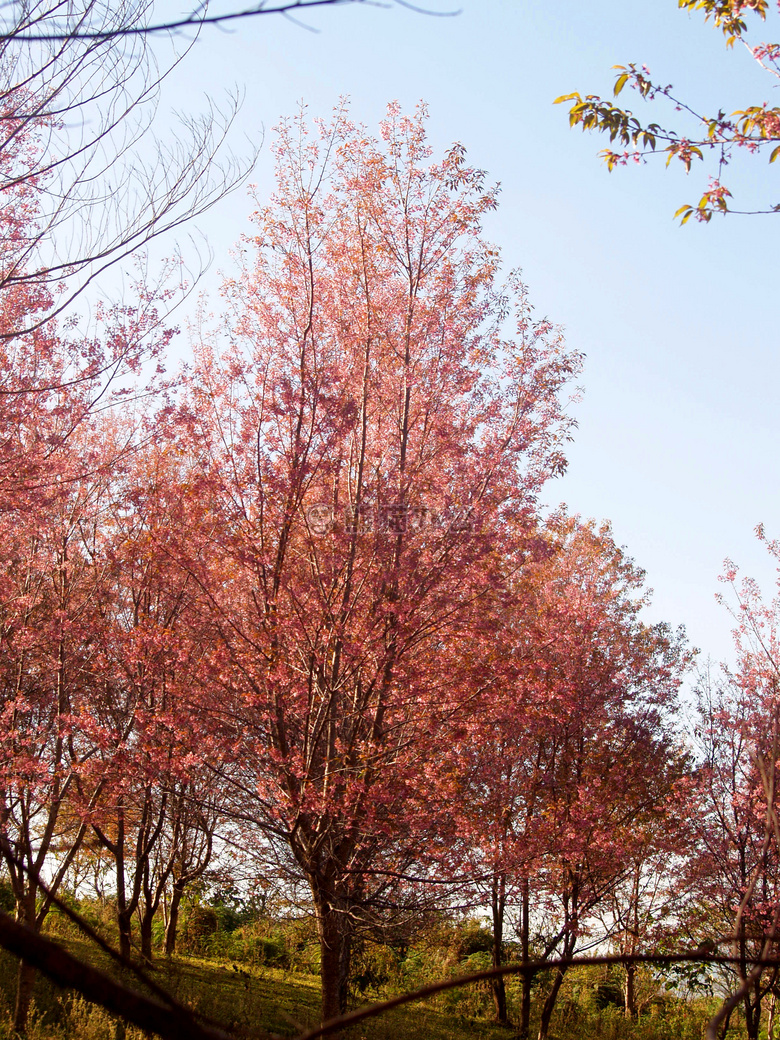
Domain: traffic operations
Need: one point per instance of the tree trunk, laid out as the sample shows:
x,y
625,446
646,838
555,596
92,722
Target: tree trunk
x,y
173,920
725,1024
498,902
125,924
630,991
752,1005
770,1025
25,980
335,955
25,975
549,1004
147,919
751,1002
525,952
124,911
631,944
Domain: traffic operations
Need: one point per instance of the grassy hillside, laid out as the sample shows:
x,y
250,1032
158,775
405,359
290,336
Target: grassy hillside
x,y
238,996
261,977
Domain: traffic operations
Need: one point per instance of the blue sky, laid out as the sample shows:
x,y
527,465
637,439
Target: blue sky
x,y
677,442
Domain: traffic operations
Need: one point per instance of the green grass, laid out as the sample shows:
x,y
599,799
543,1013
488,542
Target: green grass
x,y
238,997
260,998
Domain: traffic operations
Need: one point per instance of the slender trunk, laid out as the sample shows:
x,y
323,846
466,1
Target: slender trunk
x,y
770,1025
498,902
525,953
632,944
630,992
569,945
124,910
725,1024
124,913
147,919
124,920
25,980
173,920
25,975
549,1004
752,1005
752,999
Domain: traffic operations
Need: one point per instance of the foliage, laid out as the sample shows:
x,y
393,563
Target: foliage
x,y
372,436
294,673
714,136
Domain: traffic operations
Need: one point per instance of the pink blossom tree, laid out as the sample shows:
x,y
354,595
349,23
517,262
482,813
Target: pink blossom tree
x,y
370,438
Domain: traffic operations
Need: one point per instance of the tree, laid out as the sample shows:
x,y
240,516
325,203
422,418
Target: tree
x,y
716,136
46,623
735,868
737,862
76,119
156,765
606,685
55,486
368,447
569,765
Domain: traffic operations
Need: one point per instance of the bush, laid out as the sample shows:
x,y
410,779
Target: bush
x,y
7,901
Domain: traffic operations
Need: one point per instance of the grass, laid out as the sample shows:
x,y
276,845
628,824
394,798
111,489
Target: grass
x,y
255,981
237,996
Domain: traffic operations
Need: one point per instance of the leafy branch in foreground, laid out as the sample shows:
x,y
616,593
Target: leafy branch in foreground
x,y
715,136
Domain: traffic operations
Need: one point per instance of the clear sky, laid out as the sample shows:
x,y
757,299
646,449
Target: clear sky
x,y
678,436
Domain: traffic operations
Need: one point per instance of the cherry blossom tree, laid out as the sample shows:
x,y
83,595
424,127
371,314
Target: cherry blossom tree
x,y
570,765
736,870
612,682
158,788
47,615
56,473
371,439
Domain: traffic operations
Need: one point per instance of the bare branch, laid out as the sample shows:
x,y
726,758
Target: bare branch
x,y
199,18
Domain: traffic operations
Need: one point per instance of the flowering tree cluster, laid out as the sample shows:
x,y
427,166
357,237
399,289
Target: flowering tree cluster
x,y
308,606
716,136
734,876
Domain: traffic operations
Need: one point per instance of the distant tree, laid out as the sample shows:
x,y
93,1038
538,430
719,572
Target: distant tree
x,y
572,760
736,864
47,616
159,779
713,137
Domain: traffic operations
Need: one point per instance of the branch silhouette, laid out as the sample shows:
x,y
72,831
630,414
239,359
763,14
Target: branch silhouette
x,y
199,18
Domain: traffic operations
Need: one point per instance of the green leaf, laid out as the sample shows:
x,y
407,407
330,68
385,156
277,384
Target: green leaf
x,y
620,82
775,153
